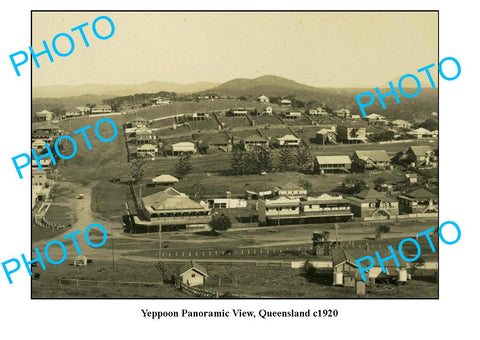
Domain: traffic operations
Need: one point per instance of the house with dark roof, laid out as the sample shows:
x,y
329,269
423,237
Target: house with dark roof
x,y
172,210
254,141
421,155
326,136
372,159
418,201
144,135
351,134
340,163
193,274
372,204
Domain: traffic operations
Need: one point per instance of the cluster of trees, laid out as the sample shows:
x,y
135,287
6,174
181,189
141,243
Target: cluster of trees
x,y
183,166
295,102
430,124
294,159
259,159
253,161
352,185
137,98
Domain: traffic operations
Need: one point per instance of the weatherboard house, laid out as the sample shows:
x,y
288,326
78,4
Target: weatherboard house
x,y
193,274
171,210
346,273
254,141
263,99
101,109
419,201
372,159
340,163
371,204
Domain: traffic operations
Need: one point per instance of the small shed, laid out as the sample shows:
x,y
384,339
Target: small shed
x,y
193,274
80,260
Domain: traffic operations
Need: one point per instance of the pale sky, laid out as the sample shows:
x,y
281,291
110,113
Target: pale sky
x,y
315,48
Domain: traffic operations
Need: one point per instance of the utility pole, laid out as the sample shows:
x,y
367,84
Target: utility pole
x,y
159,242
336,232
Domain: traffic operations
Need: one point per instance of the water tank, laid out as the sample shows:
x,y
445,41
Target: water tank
x,y
337,278
402,275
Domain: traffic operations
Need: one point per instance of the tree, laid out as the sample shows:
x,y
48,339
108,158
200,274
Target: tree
x,y
417,263
303,158
237,162
220,223
198,190
353,185
285,160
383,229
257,160
137,172
307,185
308,269
183,166
378,182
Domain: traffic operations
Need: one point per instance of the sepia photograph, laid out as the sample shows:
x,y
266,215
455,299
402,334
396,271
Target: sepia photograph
x,y
234,154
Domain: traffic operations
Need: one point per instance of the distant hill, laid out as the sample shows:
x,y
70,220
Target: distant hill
x,y
58,91
273,85
415,109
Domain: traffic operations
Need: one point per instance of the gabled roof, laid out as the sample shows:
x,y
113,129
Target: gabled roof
x,y
333,159
340,256
420,150
147,147
420,131
170,199
324,131
375,116
375,155
143,130
165,179
195,266
370,194
420,193
289,138
184,145
44,112
254,138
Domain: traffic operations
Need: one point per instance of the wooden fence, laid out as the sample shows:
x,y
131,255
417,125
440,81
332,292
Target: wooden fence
x,y
169,277
45,223
237,252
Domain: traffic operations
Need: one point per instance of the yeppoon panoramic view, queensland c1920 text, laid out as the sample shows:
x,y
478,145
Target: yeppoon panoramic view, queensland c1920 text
x,y
242,165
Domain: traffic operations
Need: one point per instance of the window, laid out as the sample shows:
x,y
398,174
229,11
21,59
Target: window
x,y
293,208
193,275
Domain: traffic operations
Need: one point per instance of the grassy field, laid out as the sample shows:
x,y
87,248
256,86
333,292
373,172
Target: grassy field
x,y
61,214
48,287
39,233
266,120
233,122
245,279
108,199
